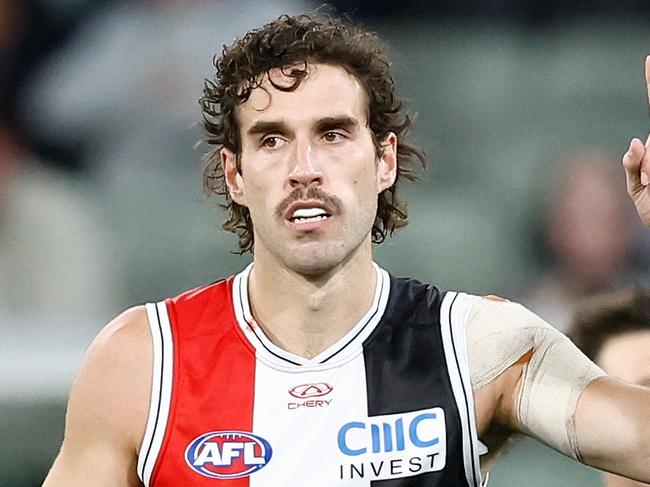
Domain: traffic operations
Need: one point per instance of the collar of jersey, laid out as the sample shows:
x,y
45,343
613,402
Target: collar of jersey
x,y
344,349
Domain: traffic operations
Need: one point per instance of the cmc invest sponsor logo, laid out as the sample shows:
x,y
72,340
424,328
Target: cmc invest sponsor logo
x,y
305,391
393,446
384,436
228,454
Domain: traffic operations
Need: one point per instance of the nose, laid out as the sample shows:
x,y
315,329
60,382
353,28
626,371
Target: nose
x,y
305,170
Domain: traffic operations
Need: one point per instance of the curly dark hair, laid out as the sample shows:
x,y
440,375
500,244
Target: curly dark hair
x,y
603,317
290,43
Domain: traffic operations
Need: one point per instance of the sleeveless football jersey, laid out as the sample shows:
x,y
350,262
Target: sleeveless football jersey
x,y
389,405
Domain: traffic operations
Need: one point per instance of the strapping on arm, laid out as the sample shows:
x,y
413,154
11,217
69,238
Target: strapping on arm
x,y
499,334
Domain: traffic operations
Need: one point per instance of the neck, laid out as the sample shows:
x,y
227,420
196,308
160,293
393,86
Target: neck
x,y
305,315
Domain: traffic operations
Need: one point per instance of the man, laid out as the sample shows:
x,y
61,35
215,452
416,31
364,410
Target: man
x,y
614,331
313,366
587,233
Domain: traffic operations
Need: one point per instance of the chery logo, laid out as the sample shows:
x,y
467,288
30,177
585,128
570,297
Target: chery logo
x,y
305,391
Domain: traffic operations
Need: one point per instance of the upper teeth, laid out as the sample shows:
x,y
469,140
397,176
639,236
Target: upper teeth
x,y
308,212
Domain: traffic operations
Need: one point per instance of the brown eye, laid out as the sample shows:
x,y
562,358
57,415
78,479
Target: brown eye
x,y
272,142
332,136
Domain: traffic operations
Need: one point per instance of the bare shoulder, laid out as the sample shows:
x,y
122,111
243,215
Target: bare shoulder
x,y
126,335
108,407
114,381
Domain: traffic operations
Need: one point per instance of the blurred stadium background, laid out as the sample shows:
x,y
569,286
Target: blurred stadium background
x,y
523,107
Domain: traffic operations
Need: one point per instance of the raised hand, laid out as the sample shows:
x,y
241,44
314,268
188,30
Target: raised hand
x,y
636,162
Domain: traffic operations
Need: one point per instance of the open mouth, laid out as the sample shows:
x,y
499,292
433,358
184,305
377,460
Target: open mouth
x,y
309,215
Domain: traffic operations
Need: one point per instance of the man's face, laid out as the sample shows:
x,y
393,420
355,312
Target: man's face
x,y
309,172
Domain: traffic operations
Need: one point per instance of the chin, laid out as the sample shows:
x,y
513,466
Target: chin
x,y
318,259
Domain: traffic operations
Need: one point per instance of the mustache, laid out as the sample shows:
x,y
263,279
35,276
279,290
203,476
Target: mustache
x,y
312,193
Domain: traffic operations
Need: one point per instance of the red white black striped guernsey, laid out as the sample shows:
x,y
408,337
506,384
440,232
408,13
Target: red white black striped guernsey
x,y
388,405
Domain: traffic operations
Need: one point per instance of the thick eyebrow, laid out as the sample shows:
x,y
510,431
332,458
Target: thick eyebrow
x,y
262,127
322,125
340,122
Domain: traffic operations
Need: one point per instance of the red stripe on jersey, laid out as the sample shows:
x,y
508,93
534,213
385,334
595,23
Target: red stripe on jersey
x,y
213,382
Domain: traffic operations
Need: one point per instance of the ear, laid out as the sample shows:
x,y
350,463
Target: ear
x,y
233,176
387,166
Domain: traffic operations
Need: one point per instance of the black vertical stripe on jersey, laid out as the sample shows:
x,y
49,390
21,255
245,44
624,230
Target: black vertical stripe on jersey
x,y
406,371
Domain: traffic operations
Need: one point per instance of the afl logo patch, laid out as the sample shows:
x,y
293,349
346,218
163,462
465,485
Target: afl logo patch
x,y
228,454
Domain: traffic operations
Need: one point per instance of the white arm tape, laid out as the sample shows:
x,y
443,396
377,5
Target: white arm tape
x,y
499,334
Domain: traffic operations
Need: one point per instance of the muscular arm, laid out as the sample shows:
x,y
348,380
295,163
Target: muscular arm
x,y
613,428
108,408
529,378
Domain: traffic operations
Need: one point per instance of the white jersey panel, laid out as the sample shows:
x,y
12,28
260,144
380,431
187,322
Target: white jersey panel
x,y
302,430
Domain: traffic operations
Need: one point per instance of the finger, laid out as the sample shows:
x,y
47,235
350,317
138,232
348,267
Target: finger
x,y
632,164
644,168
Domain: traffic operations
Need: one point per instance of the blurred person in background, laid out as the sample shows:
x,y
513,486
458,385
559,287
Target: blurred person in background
x,y
588,232
309,190
613,330
56,259
30,32
58,274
